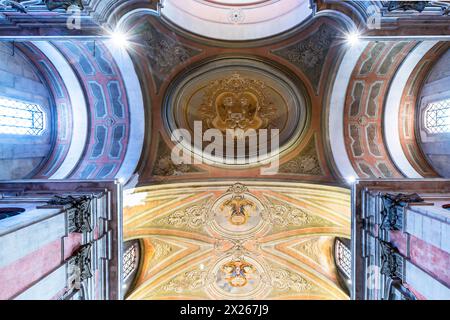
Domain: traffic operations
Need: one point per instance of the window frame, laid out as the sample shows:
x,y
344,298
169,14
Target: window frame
x,y
346,270
36,131
428,105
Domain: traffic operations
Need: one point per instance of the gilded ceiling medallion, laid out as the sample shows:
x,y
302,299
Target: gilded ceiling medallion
x,y
237,103
237,94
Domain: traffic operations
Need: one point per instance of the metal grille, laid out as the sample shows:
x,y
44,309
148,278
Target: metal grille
x,y
437,117
129,261
344,258
17,117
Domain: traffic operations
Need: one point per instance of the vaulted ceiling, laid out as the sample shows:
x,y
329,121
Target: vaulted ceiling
x,y
232,240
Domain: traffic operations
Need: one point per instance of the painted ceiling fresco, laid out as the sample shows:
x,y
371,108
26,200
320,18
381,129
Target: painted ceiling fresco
x,y
237,240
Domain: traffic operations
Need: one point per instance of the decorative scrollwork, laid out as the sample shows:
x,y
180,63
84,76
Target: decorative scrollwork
x,y
287,280
187,281
284,216
78,213
194,217
80,267
418,6
391,261
393,209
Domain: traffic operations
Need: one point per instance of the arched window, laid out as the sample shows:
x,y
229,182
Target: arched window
x,y
10,212
437,117
21,118
130,260
343,258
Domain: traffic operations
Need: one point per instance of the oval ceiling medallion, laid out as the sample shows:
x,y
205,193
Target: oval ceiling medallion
x,y
240,95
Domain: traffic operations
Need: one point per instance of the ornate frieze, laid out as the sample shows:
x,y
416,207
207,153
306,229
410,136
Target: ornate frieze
x,y
407,5
419,6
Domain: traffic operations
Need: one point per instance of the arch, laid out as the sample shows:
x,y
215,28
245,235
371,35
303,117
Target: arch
x,y
9,212
336,111
136,104
392,108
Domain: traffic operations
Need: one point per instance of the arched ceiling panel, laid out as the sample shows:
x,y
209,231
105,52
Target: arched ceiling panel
x,y
108,108
237,240
67,153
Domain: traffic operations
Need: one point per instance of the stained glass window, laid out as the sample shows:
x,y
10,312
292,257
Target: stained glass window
x,y
21,118
129,261
437,117
344,258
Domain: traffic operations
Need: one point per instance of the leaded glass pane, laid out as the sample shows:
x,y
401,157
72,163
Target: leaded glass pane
x,y
129,261
344,258
21,118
